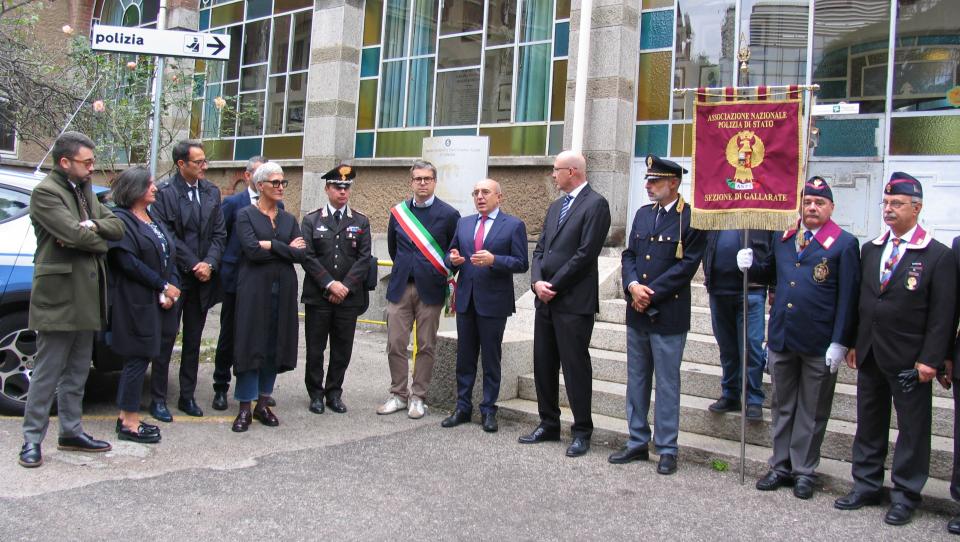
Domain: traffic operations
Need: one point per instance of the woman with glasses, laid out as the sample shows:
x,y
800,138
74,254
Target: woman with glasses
x,y
143,288
267,326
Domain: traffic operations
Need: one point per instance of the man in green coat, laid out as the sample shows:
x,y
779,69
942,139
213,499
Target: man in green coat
x,y
69,297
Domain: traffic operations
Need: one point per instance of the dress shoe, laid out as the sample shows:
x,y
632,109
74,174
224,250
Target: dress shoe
x,y
242,422
189,407
145,427
627,454
316,405
159,411
490,422
394,404
724,405
83,443
540,434
773,481
458,417
898,514
336,404
271,402
140,435
667,464
30,455
578,447
856,501
803,488
264,415
220,400
754,413
953,526
417,408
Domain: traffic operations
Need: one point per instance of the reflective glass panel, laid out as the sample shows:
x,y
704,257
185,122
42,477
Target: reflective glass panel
x,y
656,29
497,99
372,16
925,136
502,22
424,27
653,86
251,114
558,101
395,35
535,20
651,139
400,144
300,52
253,78
281,6
370,62
227,14
363,146
705,49
296,102
681,139
533,83
517,140
461,16
256,41
281,44
420,93
927,58
236,45
777,34
286,147
460,51
367,104
391,97
457,94
848,137
276,96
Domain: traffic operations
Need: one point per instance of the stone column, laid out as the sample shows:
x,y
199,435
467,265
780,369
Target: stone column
x,y
611,93
333,84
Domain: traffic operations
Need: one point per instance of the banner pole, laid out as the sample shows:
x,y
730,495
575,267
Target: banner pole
x,y
744,358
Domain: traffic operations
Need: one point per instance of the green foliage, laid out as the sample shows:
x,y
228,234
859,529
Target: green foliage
x,y
719,465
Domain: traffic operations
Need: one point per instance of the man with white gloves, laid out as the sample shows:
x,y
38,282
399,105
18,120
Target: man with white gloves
x,y
812,323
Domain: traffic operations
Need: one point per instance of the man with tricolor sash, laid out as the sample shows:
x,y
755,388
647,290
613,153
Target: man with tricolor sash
x,y
419,232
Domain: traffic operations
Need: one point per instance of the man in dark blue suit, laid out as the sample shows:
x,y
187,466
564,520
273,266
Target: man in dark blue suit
x,y
662,255
420,230
812,324
488,249
223,360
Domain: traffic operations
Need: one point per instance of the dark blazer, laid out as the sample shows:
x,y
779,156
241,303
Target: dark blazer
x,y
651,259
336,252
955,355
200,238
761,241
816,296
231,252
138,276
566,254
410,264
489,290
912,319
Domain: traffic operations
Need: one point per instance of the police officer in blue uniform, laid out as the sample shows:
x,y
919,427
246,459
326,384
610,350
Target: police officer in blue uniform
x,y
812,324
661,258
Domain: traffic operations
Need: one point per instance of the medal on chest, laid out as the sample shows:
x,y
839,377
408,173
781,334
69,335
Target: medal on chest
x,y
821,271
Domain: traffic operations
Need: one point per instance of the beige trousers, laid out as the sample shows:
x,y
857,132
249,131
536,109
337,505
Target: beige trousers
x,y
400,319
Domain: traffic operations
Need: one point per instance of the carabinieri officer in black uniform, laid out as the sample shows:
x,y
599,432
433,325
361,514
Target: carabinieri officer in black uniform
x,y
334,292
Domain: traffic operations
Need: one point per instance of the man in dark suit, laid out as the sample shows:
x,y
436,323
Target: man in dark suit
x,y
907,296
334,290
662,255
951,378
223,360
488,249
418,234
812,324
566,281
189,206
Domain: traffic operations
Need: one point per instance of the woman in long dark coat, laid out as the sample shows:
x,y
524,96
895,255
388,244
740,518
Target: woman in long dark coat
x,y
143,288
267,326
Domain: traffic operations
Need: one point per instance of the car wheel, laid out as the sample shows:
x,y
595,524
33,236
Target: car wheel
x,y
18,351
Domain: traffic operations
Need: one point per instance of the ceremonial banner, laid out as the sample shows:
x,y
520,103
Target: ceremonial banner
x,y
747,165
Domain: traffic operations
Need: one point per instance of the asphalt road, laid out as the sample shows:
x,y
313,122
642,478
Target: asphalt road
x,y
359,476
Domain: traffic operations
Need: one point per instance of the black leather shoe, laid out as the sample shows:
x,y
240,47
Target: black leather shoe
x,y
490,422
898,514
140,435
754,413
242,422
145,427
271,402
316,405
578,447
627,454
83,443
540,434
264,415
773,481
724,405
667,464
953,526
856,501
803,488
458,417
189,407
336,404
219,400
30,455
159,411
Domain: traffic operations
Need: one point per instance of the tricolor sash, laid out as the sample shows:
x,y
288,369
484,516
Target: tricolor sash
x,y
428,246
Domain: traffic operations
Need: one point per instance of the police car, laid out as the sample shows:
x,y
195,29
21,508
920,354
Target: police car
x,y
18,345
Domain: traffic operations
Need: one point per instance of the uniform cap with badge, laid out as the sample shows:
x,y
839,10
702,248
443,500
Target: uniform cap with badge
x,y
659,168
341,176
817,186
904,184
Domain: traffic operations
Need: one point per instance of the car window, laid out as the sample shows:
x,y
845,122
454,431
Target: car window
x,y
13,203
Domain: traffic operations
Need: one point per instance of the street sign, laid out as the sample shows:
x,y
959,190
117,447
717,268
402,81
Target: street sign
x,y
841,108
147,41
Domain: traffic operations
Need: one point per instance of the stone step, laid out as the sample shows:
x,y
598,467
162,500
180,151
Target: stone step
x,y
609,400
720,453
702,380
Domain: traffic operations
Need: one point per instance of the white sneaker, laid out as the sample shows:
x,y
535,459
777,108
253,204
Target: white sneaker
x,y
393,404
417,408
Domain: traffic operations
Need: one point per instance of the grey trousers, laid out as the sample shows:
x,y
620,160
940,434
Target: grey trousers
x,y
61,369
802,398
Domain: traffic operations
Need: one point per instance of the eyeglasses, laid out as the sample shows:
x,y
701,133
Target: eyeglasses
x,y
422,180
559,169
277,183
199,162
896,205
89,162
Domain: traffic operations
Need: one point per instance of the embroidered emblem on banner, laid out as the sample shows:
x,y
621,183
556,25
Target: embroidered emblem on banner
x,y
745,151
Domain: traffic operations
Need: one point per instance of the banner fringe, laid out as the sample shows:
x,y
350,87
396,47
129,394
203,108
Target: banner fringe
x,y
739,220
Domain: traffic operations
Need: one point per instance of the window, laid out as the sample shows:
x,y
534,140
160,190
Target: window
x,y
8,137
13,203
141,13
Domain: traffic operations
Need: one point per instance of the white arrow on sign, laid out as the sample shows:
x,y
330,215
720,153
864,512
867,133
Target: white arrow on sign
x,y
147,41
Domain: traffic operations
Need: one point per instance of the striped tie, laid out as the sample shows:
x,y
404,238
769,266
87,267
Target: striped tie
x,y
565,207
891,264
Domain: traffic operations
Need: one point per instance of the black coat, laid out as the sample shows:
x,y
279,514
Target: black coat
x,y
761,273
259,270
137,276
336,252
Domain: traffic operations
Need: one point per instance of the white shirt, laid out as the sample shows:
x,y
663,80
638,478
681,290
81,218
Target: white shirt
x,y
254,195
331,210
486,225
575,192
190,190
888,247
427,203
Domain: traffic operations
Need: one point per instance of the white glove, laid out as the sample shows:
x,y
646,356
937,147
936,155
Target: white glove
x,y
745,259
834,356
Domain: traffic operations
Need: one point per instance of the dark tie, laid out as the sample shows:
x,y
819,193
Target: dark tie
x,y
82,203
807,236
336,216
564,208
196,195
478,238
890,264
660,213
